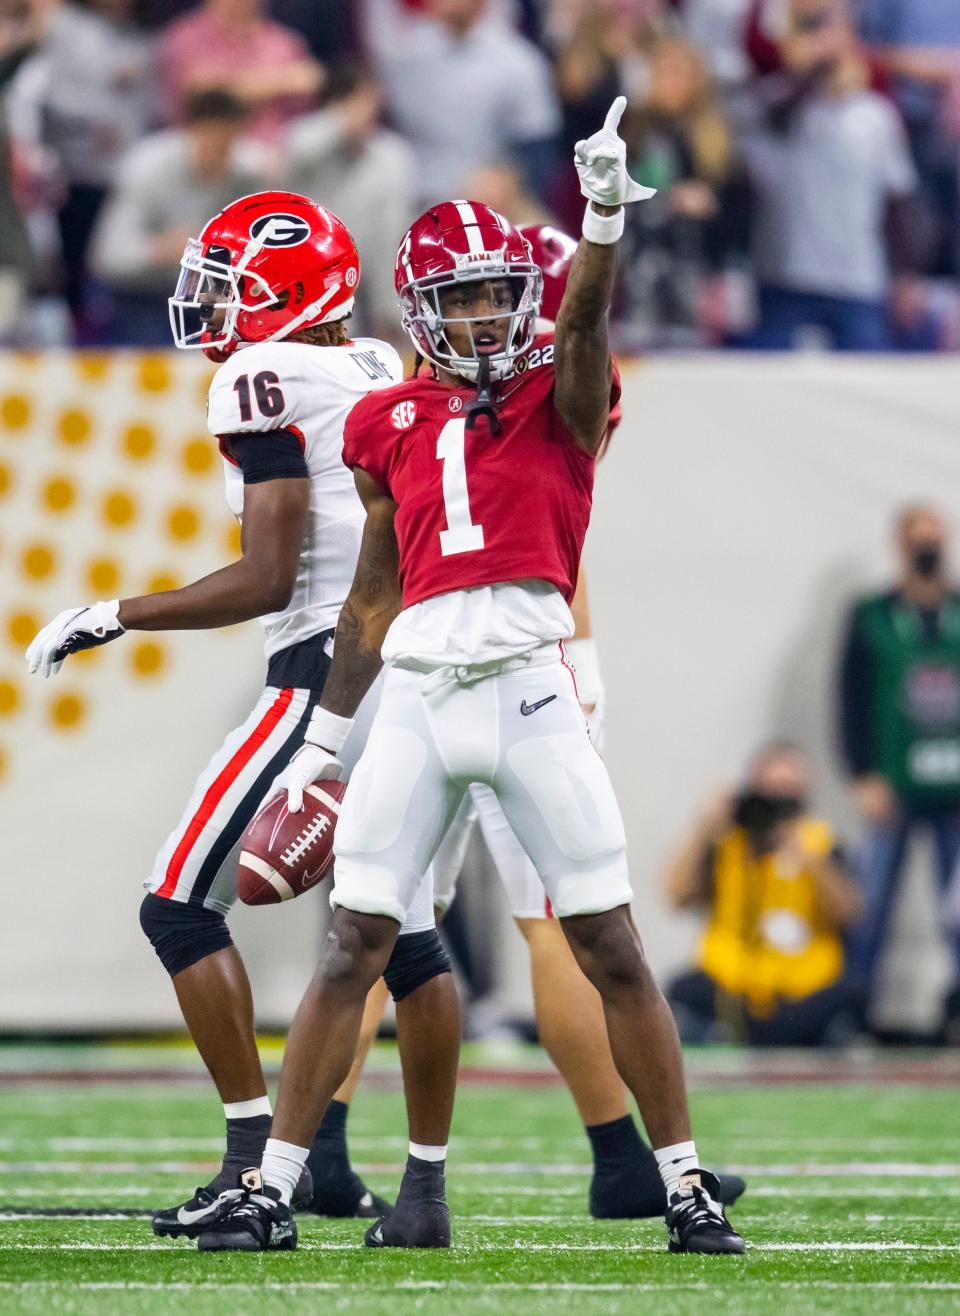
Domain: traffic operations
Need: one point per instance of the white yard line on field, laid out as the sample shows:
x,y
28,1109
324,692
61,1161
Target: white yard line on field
x,y
805,1169
463,1286
523,1245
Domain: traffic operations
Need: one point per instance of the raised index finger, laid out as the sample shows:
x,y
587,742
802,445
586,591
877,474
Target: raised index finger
x,y
615,114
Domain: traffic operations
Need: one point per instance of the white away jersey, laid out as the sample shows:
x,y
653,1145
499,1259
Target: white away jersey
x,y
307,391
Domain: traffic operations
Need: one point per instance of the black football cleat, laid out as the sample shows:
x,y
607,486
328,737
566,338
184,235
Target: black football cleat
x,y
258,1223
204,1208
696,1220
210,1204
421,1217
635,1191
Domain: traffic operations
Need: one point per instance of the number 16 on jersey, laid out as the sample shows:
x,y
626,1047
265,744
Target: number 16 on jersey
x,y
461,535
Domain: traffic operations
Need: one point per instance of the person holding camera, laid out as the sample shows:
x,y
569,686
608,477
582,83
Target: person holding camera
x,y
770,967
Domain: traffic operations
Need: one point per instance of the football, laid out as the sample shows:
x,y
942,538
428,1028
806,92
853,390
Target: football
x,y
285,854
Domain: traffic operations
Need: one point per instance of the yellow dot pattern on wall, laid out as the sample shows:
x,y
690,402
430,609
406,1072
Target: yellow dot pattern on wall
x,y
59,494
162,581
15,411
74,427
183,521
21,628
9,698
67,711
4,763
38,561
153,375
198,456
139,441
92,366
231,539
103,575
6,479
147,659
119,508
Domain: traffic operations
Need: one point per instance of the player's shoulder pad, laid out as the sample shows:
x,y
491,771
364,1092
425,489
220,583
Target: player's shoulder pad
x,y
261,387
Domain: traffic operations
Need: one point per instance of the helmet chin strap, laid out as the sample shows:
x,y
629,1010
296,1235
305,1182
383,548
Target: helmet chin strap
x,y
482,404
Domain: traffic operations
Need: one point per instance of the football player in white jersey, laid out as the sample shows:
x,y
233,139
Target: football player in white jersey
x,y
266,290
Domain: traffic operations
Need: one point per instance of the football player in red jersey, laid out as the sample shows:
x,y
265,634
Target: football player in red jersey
x,y
477,486
266,288
626,1182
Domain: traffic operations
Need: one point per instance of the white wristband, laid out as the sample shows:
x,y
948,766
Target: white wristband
x,y
328,730
602,229
586,665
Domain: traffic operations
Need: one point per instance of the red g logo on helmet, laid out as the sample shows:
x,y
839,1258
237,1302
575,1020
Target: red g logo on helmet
x,y
280,230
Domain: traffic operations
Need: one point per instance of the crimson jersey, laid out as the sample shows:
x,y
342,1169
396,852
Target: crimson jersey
x,y
473,507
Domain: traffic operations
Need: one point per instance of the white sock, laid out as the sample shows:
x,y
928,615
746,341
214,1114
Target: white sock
x,y
247,1110
425,1153
282,1165
674,1163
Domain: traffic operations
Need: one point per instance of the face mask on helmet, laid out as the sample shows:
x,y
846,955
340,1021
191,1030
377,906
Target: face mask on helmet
x,y
211,293
484,312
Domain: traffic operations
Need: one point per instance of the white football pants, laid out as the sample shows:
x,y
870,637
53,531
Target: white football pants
x,y
518,730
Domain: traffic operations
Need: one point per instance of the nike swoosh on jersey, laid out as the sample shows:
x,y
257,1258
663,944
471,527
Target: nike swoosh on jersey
x,y
526,709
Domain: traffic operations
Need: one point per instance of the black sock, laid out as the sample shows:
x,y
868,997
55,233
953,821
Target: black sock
x,y
615,1142
336,1189
626,1179
246,1139
333,1130
422,1180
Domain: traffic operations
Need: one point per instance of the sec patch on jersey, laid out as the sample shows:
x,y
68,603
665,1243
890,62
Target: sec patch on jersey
x,y
285,854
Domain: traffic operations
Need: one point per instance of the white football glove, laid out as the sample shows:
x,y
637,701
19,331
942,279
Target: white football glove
x,y
310,763
69,632
601,162
316,758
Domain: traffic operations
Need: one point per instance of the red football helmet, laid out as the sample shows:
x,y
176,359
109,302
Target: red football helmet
x,y
463,242
266,266
553,251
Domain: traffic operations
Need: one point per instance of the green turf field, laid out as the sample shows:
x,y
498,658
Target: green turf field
x,y
853,1206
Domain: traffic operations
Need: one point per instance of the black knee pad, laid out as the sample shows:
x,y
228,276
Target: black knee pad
x,y
417,957
182,934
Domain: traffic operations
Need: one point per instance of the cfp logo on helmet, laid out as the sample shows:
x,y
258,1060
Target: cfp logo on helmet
x,y
403,415
280,230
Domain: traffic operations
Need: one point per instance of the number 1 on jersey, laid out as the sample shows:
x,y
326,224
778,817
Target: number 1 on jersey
x,y
461,535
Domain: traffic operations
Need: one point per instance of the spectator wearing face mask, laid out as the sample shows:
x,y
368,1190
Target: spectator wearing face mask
x,y
772,881
899,707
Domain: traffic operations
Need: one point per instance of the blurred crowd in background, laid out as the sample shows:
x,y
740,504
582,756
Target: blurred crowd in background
x,y
806,152
807,159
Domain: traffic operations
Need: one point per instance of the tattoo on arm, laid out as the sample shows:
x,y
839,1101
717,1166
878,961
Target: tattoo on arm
x,y
582,353
372,604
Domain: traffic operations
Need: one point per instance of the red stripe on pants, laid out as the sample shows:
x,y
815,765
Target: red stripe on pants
x,y
219,787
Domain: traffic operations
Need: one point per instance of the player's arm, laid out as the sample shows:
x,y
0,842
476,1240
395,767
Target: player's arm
x,y
372,604
274,521
261,581
582,366
370,608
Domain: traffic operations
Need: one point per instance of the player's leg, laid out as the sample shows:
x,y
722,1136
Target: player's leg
x,y
337,1189
183,916
397,810
626,1182
557,796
